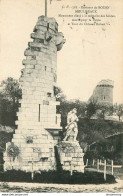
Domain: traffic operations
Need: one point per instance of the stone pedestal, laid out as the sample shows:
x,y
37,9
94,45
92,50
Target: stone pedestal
x,y
38,125
71,156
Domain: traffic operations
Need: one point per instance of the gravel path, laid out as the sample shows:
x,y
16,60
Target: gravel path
x,y
50,188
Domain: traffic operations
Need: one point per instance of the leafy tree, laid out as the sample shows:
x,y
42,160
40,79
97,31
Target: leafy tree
x,y
59,94
92,108
98,110
104,110
118,109
11,90
9,100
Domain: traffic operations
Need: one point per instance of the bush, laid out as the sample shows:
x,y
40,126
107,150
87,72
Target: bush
x,y
63,177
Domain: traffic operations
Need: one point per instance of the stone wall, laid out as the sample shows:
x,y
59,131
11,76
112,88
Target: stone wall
x,y
38,124
71,156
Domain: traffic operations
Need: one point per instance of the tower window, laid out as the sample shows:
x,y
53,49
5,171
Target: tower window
x,y
29,140
49,94
39,114
104,97
45,68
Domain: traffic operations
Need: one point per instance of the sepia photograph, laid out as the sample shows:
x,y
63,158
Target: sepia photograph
x,y
61,97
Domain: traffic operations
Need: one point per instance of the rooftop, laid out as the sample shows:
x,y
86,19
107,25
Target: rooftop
x,y
106,82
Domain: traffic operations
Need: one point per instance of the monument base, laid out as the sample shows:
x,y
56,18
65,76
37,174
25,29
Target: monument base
x,y
71,156
30,151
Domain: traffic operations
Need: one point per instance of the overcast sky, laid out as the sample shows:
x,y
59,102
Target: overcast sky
x,y
90,54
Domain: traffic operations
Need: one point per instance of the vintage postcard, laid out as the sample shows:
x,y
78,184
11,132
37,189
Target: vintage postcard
x,y
61,101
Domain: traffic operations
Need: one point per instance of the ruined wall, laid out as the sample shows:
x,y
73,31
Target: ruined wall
x,y
38,124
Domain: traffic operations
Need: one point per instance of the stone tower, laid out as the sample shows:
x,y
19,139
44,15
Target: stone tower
x,y
103,93
38,125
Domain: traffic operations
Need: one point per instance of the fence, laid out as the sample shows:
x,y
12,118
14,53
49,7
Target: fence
x,y
104,163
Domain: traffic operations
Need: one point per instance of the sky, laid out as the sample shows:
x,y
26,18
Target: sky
x,y
90,54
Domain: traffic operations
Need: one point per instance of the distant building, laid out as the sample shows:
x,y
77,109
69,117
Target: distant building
x,y
103,93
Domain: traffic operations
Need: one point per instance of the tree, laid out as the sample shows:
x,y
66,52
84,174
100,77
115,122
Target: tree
x,y
81,107
104,110
9,100
11,90
59,94
98,110
92,108
118,109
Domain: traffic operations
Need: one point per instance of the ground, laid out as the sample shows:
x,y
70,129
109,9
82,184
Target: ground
x,y
50,188
19,187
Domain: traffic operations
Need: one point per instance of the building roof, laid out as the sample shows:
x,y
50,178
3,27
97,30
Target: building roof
x,y
106,82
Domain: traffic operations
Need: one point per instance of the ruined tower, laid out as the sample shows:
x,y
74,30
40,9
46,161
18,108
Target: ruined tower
x,y
103,93
38,125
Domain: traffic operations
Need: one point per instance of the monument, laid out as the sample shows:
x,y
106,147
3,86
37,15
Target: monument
x,y
69,150
38,125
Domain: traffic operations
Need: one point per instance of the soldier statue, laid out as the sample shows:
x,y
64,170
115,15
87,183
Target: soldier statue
x,y
72,128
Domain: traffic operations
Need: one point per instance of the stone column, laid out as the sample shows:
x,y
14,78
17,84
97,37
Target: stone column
x,y
38,124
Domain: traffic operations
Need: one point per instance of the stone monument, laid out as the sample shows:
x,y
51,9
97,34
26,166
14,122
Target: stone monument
x,y
38,125
69,150
37,134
